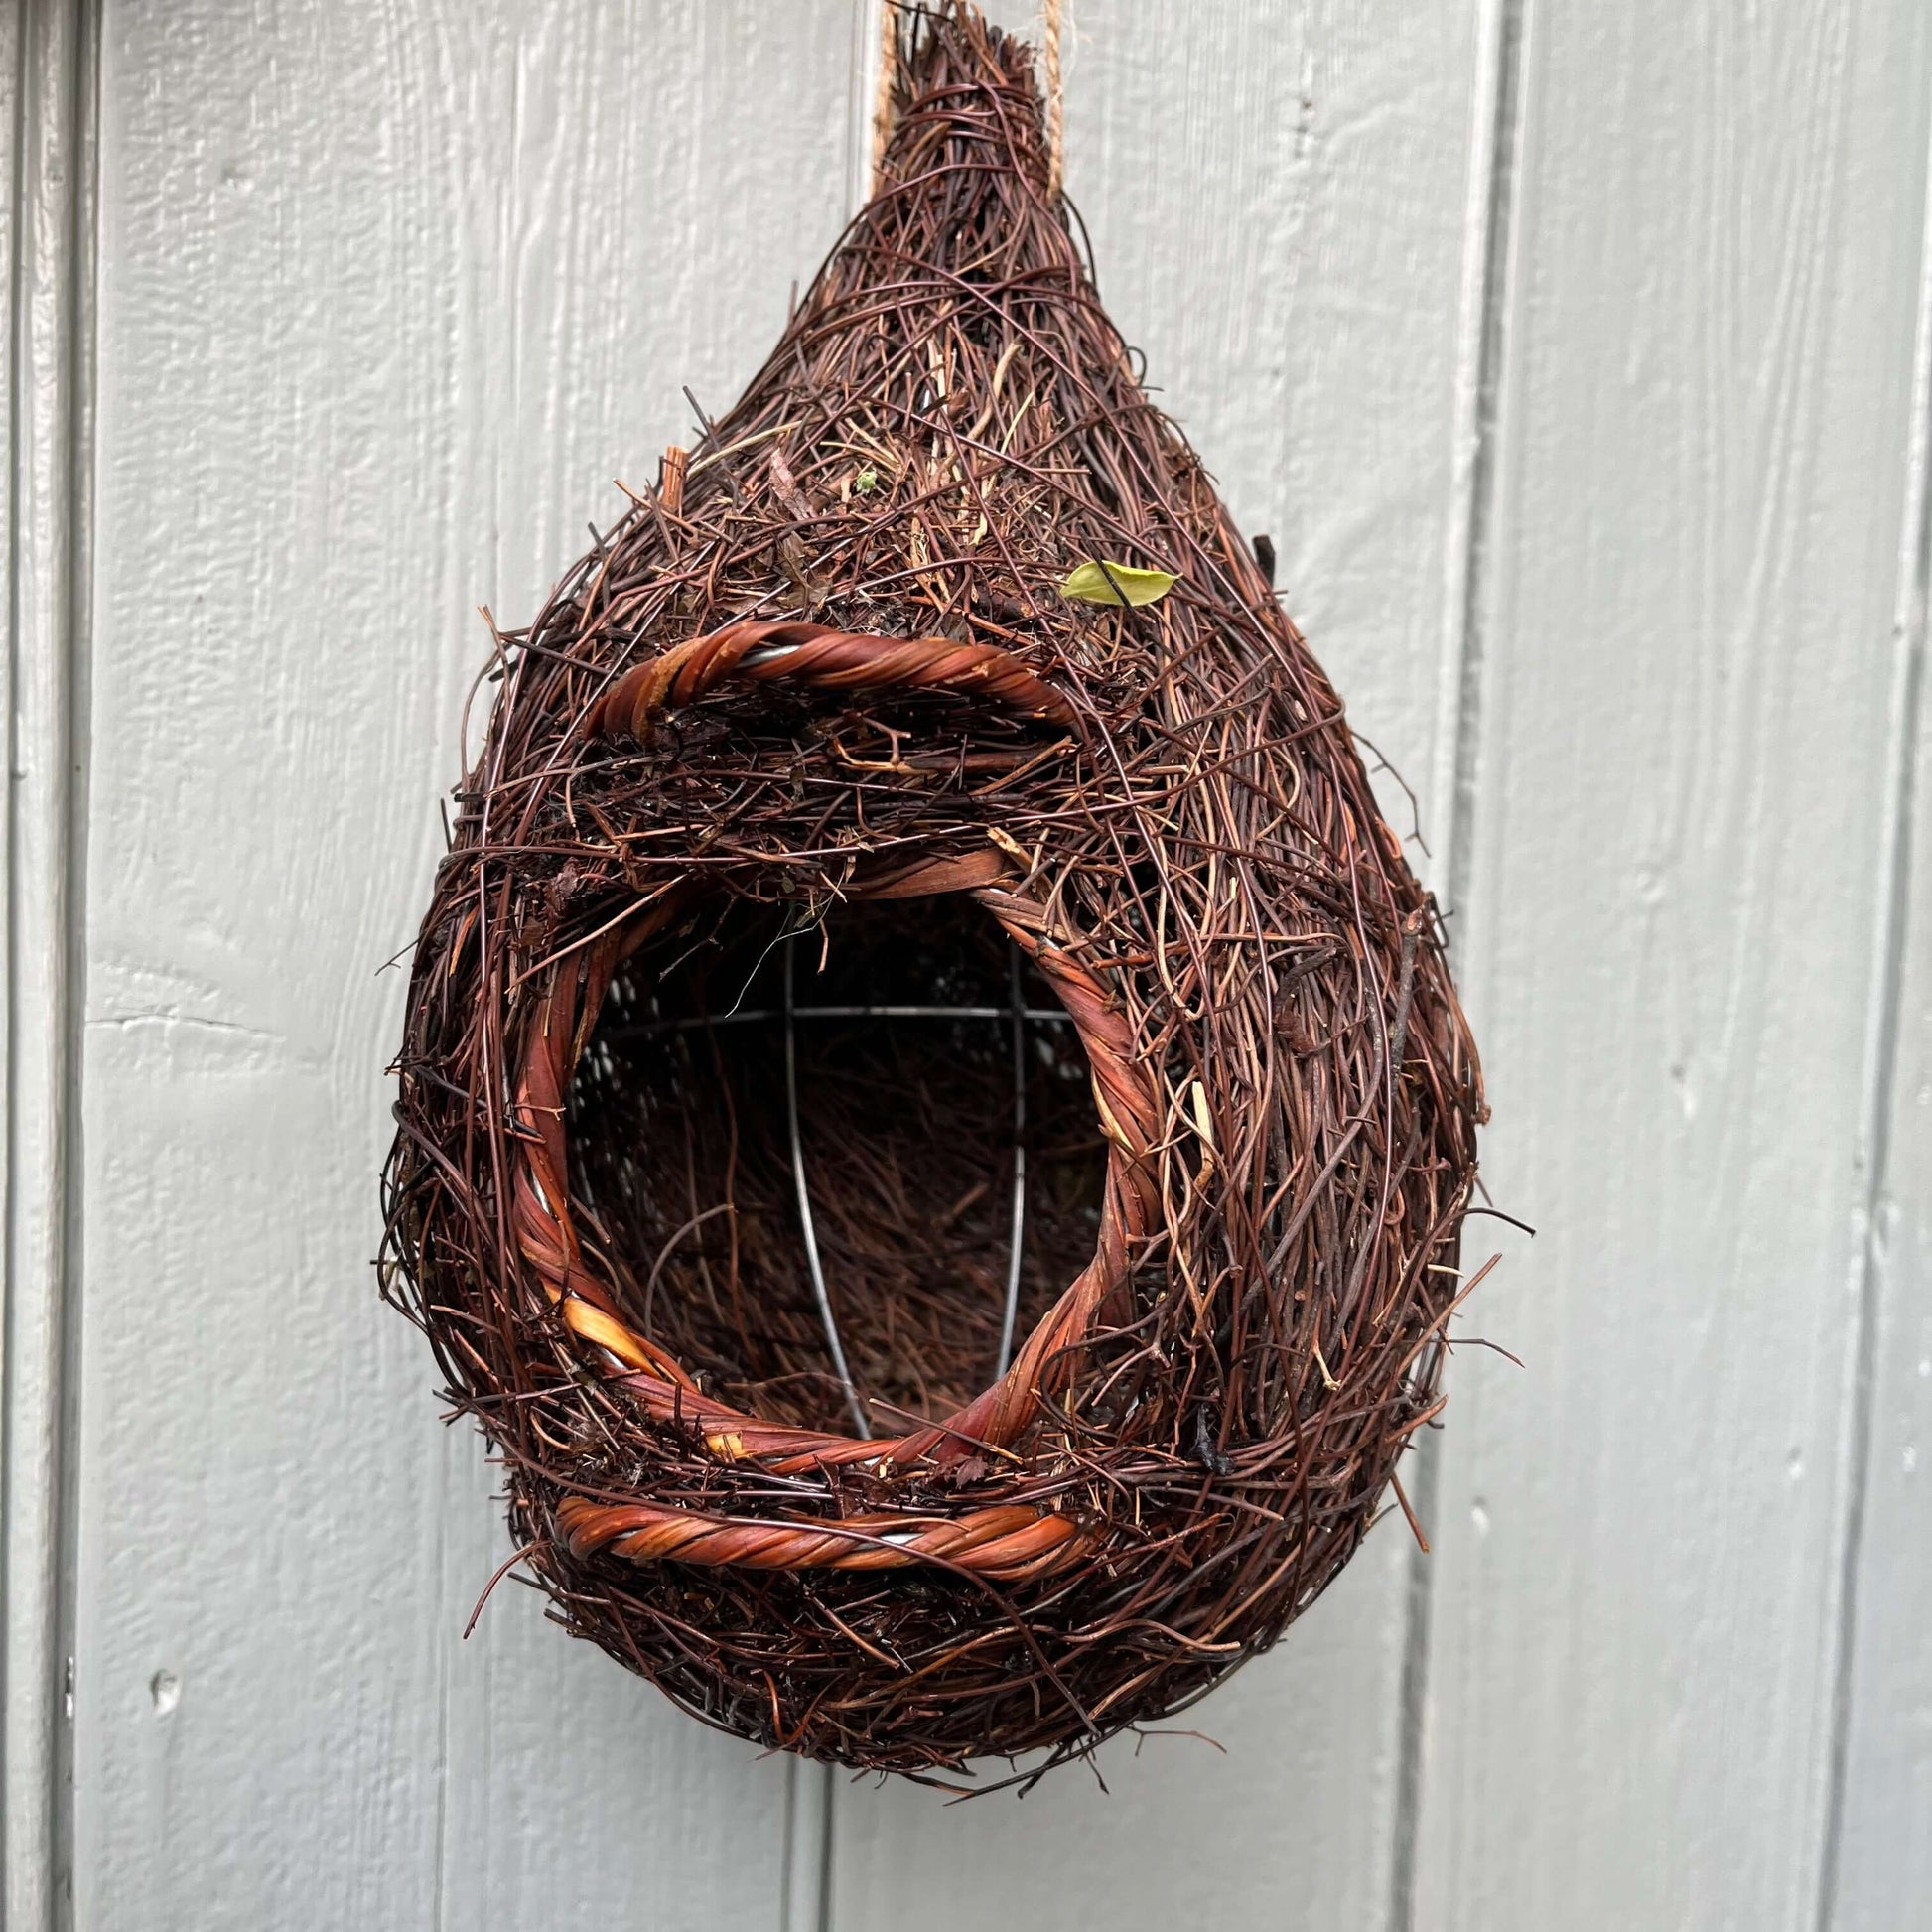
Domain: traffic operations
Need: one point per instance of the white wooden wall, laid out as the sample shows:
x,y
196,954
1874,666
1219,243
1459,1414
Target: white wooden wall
x,y
1579,360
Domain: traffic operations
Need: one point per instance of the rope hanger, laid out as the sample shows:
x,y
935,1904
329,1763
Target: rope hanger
x,y
881,111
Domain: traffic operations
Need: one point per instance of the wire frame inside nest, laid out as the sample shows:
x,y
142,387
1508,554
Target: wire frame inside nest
x,y
885,1161
934,1126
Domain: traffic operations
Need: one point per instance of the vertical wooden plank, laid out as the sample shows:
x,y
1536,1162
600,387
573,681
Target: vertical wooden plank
x,y
1881,1856
1277,204
1686,673
49,172
26,1547
389,293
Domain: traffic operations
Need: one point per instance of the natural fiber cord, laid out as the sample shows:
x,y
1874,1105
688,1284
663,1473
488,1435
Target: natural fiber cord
x,y
1055,98
854,950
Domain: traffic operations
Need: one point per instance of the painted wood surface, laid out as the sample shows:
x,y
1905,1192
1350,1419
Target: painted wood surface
x,y
1676,899
1576,361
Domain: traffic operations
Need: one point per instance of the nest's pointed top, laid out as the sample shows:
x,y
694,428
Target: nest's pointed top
x,y
965,101
950,426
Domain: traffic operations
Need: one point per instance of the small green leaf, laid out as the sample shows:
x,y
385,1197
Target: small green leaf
x,y
866,481
1095,583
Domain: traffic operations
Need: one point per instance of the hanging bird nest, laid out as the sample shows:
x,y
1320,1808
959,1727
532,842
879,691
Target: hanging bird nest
x,y
934,1124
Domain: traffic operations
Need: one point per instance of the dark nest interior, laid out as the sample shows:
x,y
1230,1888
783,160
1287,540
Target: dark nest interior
x,y
904,1075
850,869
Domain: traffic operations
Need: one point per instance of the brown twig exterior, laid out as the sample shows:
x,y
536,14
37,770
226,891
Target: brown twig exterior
x,y
823,683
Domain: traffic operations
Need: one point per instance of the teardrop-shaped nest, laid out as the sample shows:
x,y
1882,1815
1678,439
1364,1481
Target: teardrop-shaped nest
x,y
833,886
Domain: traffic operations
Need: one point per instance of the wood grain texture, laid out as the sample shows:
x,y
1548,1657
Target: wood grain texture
x,y
1686,672
1276,198
389,294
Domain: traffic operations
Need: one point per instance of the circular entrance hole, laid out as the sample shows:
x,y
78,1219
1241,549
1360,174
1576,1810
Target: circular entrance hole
x,y
682,1160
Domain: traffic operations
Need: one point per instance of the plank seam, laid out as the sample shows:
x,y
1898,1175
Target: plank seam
x,y
1488,264
806,1873
51,415
1881,1051
83,348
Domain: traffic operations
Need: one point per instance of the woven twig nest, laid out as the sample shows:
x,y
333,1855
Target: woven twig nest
x,y
815,733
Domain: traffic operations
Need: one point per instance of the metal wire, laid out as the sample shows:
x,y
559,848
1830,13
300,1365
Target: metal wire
x,y
1018,1011
812,1261
650,1029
